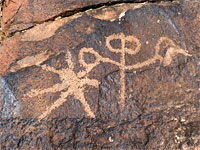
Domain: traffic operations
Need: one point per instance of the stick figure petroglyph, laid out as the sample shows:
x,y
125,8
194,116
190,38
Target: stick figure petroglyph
x,y
71,82
74,82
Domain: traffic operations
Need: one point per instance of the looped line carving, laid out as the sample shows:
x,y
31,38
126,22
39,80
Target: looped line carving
x,y
75,82
171,52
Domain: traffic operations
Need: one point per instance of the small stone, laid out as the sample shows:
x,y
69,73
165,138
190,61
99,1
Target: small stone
x,y
110,139
183,120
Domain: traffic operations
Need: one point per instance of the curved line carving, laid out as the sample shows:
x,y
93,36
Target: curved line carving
x,y
171,52
74,83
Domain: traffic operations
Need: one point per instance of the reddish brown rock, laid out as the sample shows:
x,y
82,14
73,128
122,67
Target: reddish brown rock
x,y
122,77
19,15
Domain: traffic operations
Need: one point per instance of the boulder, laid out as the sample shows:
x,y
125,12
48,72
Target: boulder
x,y
125,76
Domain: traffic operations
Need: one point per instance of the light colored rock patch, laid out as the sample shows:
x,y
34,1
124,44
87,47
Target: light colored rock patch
x,y
30,61
46,30
113,12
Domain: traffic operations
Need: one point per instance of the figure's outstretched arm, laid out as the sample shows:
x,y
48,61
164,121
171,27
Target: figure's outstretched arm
x,y
53,89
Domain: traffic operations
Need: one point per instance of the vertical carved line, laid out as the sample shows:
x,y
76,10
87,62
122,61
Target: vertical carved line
x,y
122,72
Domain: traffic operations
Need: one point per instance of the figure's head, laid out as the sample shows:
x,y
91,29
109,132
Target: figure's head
x,y
167,50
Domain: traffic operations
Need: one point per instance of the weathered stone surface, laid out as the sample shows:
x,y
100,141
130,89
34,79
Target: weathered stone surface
x,y
22,14
122,77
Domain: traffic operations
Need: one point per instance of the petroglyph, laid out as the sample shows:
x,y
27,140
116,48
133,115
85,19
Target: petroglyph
x,y
71,82
171,52
74,82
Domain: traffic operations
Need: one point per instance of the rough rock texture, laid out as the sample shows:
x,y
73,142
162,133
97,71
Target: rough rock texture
x,y
22,14
119,77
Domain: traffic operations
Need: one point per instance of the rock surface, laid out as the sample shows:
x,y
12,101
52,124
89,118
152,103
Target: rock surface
x,y
20,15
119,77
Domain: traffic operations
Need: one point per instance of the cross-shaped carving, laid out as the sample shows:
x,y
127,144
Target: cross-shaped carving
x,y
171,52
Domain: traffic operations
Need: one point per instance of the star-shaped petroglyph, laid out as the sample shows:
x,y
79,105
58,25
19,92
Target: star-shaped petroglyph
x,y
70,81
74,82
